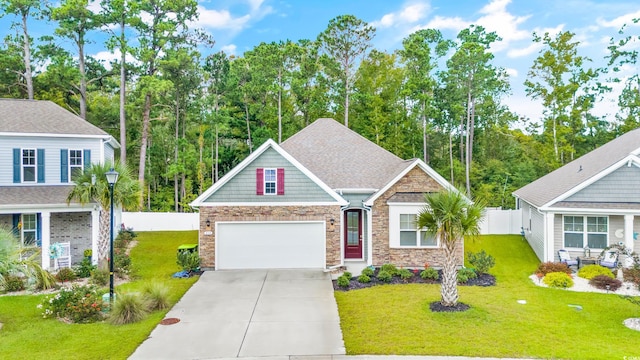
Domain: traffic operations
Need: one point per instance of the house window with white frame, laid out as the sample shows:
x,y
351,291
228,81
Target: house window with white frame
x,y
594,234
411,236
270,181
76,163
29,165
29,229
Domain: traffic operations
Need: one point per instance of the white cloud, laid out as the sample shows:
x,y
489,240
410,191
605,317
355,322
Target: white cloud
x,y
447,23
221,19
511,72
106,57
94,6
620,21
530,49
229,49
497,19
409,13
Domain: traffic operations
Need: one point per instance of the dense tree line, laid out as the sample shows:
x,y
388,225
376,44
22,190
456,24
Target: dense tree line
x,y
186,116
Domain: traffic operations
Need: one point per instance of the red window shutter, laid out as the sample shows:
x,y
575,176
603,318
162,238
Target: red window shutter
x,y
259,181
280,181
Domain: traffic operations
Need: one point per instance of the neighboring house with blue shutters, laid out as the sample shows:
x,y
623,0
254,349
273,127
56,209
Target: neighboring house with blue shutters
x,y
42,147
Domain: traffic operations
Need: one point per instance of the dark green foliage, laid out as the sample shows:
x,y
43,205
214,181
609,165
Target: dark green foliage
x,y
65,274
367,271
128,308
384,276
100,277
14,283
429,273
602,281
405,274
481,261
343,281
347,274
80,304
558,279
549,267
85,268
188,260
590,271
390,268
364,278
121,264
465,274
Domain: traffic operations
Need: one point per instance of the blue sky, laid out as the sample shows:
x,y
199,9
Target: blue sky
x,y
239,25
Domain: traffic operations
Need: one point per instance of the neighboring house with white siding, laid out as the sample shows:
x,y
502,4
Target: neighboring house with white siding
x,y
592,201
42,146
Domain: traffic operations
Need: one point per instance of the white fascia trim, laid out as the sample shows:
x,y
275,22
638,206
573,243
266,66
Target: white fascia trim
x,y
426,168
271,204
356,191
75,136
406,203
572,211
53,208
593,179
272,222
199,201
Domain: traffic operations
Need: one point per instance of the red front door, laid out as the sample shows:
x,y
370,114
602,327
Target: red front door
x,y
353,234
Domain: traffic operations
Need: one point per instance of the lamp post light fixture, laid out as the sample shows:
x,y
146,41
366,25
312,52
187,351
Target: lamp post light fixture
x,y
112,178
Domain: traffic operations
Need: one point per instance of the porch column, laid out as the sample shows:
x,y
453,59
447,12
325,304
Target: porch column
x,y
95,234
45,240
549,237
369,236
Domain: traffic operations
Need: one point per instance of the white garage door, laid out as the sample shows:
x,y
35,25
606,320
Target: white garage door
x,y
270,245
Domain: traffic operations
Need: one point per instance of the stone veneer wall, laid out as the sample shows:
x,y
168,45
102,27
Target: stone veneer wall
x,y
268,213
415,180
74,228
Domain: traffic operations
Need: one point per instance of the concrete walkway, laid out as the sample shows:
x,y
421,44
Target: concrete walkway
x,y
250,313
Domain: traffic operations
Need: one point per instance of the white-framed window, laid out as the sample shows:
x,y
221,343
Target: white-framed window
x,y
403,229
580,231
29,167
76,163
29,228
270,179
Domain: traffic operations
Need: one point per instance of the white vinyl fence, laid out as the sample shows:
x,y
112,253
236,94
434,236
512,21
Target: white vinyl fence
x,y
498,221
155,221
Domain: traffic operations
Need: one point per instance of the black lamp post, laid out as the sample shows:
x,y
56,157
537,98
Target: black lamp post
x,y
112,178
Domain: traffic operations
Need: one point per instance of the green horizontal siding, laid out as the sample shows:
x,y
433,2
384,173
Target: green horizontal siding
x,y
297,186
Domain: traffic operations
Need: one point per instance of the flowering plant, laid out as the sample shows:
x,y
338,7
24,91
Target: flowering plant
x,y
80,304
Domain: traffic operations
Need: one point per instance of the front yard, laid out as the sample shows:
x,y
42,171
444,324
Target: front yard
x,y
395,319
26,335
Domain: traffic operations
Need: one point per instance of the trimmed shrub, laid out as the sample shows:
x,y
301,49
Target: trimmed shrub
x,y
481,261
128,308
13,283
85,268
590,271
65,274
367,271
384,275
558,280
99,277
121,264
429,273
189,260
343,281
405,274
80,304
549,267
364,278
390,268
464,274
347,274
601,282
156,295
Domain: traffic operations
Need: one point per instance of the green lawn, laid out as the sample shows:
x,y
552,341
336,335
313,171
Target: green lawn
x,y
26,335
395,319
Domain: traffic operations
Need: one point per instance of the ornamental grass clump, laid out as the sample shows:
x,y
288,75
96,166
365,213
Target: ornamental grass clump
x,y
590,271
156,295
128,308
558,280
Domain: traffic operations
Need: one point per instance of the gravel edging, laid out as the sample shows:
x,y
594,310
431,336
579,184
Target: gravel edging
x,y
582,285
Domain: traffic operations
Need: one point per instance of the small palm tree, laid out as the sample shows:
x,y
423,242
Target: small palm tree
x,y
450,216
21,261
92,186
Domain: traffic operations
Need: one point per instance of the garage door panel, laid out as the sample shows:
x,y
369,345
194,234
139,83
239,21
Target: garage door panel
x,y
264,245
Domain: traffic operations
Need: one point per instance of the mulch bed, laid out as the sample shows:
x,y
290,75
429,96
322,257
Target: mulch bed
x,y
437,306
354,284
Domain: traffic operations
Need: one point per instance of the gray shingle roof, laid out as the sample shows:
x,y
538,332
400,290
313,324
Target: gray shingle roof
x,y
342,158
34,195
569,176
42,117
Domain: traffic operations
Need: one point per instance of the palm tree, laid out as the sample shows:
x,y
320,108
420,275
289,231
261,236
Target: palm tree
x,y
92,186
450,216
21,261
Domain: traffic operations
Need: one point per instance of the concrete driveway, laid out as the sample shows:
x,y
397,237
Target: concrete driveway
x,y
250,313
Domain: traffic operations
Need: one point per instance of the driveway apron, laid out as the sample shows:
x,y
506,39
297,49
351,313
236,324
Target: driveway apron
x,y
250,313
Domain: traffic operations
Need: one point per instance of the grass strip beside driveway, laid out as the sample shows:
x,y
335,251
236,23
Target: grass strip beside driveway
x,y
395,319
26,335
